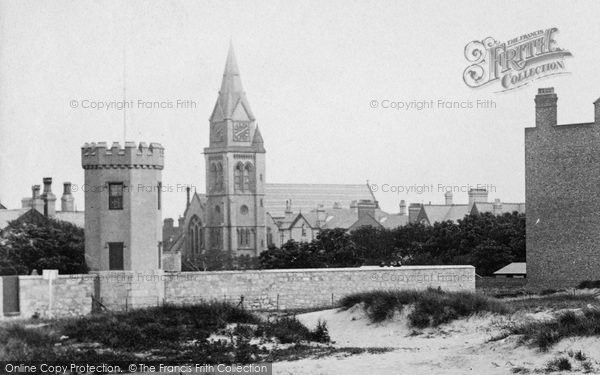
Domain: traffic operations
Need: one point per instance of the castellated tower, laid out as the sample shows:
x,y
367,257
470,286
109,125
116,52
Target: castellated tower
x,y
123,220
235,170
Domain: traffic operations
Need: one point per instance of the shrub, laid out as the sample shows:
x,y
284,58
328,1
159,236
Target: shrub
x,y
286,330
432,307
321,333
559,364
588,284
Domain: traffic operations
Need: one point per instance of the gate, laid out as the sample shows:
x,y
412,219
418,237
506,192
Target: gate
x,y
10,295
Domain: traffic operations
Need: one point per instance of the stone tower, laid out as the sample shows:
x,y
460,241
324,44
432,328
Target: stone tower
x,y
123,223
235,170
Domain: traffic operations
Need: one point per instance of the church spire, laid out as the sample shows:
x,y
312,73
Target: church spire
x,y
231,77
231,95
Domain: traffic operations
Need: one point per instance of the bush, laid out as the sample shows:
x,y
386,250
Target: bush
x,y
160,326
559,364
432,307
286,330
321,333
588,284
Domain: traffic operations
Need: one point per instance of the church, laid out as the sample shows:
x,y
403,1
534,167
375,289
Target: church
x,y
239,211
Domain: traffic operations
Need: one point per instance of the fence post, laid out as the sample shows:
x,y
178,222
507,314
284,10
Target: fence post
x,y
277,302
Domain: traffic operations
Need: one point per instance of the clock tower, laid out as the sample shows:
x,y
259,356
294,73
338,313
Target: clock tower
x,y
235,172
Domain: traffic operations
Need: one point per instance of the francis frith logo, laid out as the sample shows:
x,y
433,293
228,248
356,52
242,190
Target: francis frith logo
x,y
514,63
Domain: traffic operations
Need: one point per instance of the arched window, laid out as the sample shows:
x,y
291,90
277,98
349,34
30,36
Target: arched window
x,y
237,176
245,237
213,176
219,177
248,182
196,236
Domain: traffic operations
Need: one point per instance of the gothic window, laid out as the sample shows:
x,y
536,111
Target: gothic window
x,y
237,176
196,235
244,237
248,181
215,238
303,230
269,237
219,177
213,176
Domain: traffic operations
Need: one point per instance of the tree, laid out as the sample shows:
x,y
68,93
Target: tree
x,y
490,256
42,244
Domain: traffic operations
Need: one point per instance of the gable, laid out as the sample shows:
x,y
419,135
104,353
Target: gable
x,y
365,221
240,113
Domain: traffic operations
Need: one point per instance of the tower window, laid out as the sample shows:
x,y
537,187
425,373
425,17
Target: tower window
x,y
159,193
244,210
219,181
237,178
115,196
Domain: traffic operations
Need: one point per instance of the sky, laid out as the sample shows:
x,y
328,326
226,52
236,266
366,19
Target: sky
x,y
311,71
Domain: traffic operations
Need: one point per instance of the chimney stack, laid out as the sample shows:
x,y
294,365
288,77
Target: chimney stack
x,y
448,198
402,207
67,201
288,207
597,112
545,107
478,195
413,212
34,201
497,207
49,198
187,191
321,215
366,207
180,222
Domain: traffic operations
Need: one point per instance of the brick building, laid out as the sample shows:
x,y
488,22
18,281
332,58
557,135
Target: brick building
x,y
562,195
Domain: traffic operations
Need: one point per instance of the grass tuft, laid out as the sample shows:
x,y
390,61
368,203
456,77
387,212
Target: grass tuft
x,y
432,307
567,324
559,364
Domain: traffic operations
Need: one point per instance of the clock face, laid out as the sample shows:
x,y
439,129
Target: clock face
x,y
241,132
218,133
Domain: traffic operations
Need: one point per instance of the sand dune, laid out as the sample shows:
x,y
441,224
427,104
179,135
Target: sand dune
x,y
461,347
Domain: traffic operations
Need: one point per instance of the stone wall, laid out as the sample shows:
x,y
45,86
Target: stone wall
x,y
307,288
70,295
260,289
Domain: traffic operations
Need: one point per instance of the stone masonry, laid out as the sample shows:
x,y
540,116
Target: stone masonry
x,y
264,290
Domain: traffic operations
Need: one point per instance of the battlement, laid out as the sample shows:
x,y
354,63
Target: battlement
x,y
99,155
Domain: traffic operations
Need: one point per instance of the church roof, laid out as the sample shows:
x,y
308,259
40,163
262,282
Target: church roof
x,y
307,197
232,99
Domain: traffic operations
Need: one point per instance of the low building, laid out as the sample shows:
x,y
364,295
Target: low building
x,y
513,270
